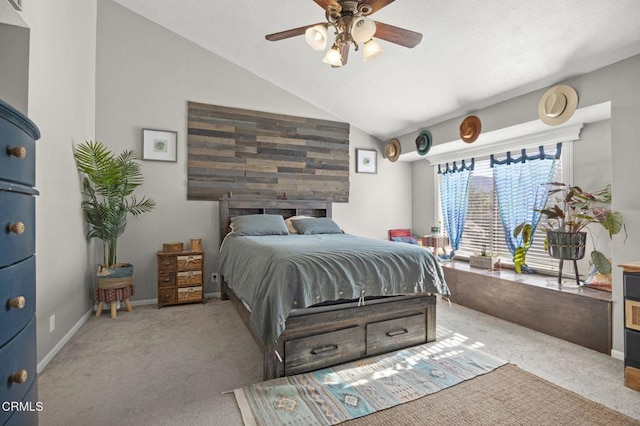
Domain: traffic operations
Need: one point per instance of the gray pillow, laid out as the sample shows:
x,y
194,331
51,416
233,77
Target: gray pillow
x,y
321,225
259,224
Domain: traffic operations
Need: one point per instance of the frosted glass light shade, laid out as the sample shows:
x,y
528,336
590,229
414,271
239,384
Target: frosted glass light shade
x,y
363,29
371,50
316,37
333,57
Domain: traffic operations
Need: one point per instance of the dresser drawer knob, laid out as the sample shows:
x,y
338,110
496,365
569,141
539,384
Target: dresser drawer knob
x,y
17,302
19,376
166,263
17,228
166,280
17,151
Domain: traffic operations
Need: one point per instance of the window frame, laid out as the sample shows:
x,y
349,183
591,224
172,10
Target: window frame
x,y
547,139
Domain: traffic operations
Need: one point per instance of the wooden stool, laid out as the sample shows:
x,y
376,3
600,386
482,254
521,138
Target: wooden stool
x,y
112,295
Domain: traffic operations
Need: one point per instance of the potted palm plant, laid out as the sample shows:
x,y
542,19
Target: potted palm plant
x,y
108,183
567,221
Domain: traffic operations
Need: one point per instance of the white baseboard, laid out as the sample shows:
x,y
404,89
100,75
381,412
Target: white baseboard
x,y
617,354
47,359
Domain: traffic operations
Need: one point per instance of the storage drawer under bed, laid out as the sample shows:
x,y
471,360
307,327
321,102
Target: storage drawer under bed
x,y
397,333
324,350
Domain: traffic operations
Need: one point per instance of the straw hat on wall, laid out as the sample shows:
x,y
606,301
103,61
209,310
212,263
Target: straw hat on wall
x,y
557,105
392,150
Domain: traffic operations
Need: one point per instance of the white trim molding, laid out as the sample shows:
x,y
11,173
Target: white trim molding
x,y
525,135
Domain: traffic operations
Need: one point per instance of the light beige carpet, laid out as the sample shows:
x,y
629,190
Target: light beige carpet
x,y
505,396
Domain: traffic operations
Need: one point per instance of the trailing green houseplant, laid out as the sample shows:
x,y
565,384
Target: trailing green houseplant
x,y
572,213
108,183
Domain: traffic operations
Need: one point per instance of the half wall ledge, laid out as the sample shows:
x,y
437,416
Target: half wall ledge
x,y
581,316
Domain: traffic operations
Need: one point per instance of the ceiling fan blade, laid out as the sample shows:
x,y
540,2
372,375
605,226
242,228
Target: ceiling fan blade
x,y
406,38
325,3
376,5
290,33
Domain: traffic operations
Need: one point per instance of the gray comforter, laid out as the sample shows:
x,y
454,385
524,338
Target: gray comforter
x,y
276,274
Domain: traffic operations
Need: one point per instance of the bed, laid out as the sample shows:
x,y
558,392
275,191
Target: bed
x,y
312,301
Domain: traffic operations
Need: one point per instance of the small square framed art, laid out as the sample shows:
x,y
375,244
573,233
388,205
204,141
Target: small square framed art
x,y
159,145
366,161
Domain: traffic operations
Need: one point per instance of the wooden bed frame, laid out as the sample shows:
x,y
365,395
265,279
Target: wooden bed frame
x,y
318,337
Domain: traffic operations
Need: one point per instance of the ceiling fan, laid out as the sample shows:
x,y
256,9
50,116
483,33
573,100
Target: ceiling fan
x,y
349,19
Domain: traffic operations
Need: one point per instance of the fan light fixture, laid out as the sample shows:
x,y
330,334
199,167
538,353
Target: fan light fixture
x,y
352,27
316,37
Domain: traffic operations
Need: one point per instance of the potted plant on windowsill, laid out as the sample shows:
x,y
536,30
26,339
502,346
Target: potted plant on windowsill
x,y
108,183
567,221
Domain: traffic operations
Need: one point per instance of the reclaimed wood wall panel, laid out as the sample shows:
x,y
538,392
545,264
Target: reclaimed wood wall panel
x,y
262,155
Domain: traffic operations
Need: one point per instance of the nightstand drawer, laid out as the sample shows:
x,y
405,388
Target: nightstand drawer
x,y
632,286
167,263
166,279
17,367
17,297
190,294
18,222
190,263
166,295
189,277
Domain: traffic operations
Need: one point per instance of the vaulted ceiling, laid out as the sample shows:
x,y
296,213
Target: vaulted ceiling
x,y
473,53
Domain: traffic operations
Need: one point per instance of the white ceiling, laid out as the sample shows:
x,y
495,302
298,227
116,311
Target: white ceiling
x,y
473,53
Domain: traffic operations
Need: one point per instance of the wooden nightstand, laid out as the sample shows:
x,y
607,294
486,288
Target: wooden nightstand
x,y
180,277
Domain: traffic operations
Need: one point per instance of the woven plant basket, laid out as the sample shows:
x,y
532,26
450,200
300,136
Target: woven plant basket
x,y
566,245
119,276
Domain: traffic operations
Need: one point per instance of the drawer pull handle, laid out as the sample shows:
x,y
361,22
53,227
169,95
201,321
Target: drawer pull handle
x,y
17,228
166,264
17,302
166,280
19,376
17,151
323,349
397,332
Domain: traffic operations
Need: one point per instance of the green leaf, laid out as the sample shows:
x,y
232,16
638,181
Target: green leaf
x,y
601,262
519,259
613,223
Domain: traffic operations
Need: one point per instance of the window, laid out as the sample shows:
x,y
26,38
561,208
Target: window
x,y
483,229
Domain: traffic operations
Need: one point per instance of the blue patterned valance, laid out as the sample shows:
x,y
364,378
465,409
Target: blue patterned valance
x,y
455,168
524,157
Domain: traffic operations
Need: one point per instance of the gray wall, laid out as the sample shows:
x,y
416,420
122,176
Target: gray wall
x,y
62,104
606,153
145,76
14,54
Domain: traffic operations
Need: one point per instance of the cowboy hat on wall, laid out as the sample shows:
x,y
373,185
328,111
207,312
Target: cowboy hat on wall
x,y
470,129
423,142
557,105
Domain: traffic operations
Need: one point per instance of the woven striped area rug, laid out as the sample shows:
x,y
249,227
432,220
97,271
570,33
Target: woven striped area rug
x,y
334,395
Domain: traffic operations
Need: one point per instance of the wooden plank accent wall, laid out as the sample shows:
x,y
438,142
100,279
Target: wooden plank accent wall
x,y
261,155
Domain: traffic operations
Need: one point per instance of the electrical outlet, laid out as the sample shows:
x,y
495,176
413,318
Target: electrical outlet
x,y
214,277
52,323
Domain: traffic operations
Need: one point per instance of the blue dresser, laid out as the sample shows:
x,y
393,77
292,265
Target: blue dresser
x,y
18,381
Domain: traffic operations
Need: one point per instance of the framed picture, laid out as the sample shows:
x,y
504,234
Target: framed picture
x,y
366,161
159,145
